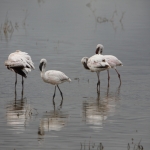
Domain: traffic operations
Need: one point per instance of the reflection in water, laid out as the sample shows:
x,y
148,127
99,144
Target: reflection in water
x,y
18,114
100,19
54,120
96,111
8,28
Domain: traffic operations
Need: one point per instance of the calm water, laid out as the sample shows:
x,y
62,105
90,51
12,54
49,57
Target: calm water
x,y
63,32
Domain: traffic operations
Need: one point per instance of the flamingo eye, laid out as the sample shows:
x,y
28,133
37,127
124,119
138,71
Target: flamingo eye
x,y
103,60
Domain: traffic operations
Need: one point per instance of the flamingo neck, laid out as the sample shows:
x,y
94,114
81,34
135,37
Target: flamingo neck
x,y
43,71
98,51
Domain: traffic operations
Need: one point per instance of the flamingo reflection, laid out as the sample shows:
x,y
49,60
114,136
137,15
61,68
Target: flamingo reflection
x,y
18,114
54,120
96,112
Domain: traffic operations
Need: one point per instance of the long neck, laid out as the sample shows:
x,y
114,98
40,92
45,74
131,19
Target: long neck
x,y
98,51
43,70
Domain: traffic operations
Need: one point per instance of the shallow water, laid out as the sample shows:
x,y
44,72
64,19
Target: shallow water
x,y
63,32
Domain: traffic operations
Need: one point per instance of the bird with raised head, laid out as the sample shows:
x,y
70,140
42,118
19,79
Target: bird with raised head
x,y
113,61
53,77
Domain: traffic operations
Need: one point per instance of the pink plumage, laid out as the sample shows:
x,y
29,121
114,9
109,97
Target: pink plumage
x,y
113,61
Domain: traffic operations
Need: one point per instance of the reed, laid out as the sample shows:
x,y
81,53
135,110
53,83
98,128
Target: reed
x,y
100,146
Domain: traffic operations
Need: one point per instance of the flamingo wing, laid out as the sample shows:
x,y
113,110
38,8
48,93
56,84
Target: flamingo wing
x,y
113,61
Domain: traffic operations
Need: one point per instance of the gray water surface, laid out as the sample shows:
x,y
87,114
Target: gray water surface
x,y
63,32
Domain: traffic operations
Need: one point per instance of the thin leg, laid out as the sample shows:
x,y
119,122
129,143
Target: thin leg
x,y
107,93
61,104
22,86
15,87
118,76
54,108
16,81
98,83
98,96
15,96
61,96
60,92
108,77
54,95
98,86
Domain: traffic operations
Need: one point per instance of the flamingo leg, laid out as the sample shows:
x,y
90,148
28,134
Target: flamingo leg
x,y
98,83
108,77
15,87
60,92
22,86
118,76
98,96
107,93
61,103
16,81
54,95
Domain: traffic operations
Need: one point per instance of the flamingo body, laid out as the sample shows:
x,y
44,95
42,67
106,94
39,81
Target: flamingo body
x,y
54,77
20,62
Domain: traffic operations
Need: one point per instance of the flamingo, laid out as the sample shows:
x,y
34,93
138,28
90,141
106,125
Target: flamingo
x,y
95,63
20,63
111,60
53,77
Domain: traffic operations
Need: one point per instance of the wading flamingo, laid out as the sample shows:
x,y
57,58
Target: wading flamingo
x,y
21,63
53,77
111,60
